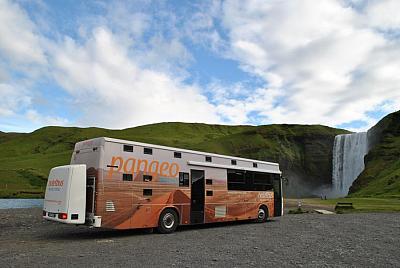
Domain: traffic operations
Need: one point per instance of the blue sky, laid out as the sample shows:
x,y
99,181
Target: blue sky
x,y
119,64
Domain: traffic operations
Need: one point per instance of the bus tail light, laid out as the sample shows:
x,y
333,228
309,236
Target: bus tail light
x,y
63,216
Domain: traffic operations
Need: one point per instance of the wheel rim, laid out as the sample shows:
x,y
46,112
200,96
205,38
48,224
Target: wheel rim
x,y
261,214
168,220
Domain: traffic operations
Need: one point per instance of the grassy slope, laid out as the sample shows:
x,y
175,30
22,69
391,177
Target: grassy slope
x,y
25,159
381,177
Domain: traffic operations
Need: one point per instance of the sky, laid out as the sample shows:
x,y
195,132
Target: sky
x,y
120,64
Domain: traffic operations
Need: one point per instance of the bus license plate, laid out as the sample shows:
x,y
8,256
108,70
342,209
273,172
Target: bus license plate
x,y
53,215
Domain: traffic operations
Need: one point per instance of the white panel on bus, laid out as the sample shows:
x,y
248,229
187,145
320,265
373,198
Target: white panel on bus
x,y
66,194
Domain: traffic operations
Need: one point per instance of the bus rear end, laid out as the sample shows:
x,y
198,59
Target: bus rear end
x,y
65,196
71,190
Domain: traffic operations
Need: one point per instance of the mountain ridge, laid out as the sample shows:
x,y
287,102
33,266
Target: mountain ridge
x,y
301,150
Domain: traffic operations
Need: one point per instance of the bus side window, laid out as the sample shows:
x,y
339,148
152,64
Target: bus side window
x,y
263,181
236,180
127,177
147,192
128,148
249,180
183,179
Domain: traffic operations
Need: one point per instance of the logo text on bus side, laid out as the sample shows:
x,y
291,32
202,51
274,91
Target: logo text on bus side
x,y
132,165
266,195
55,182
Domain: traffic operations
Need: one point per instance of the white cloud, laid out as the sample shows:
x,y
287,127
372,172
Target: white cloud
x,y
239,104
383,14
4,75
131,22
13,99
114,92
325,61
19,42
44,120
201,26
168,56
114,77
21,51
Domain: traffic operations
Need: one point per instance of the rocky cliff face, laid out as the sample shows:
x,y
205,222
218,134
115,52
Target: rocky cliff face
x,y
303,152
381,176
310,173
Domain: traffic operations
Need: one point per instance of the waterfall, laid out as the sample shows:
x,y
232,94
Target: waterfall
x,y
348,161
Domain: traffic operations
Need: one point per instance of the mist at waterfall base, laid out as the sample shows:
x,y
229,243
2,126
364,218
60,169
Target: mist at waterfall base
x,y
348,161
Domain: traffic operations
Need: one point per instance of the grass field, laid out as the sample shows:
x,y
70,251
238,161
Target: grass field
x,y
359,204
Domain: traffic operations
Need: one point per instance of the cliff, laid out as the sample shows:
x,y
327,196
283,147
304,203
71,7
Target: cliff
x,y
381,176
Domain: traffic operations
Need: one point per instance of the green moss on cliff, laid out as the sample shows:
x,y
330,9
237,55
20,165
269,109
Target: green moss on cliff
x,y
381,176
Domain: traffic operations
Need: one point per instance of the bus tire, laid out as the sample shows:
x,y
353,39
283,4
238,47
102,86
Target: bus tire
x,y
168,221
262,214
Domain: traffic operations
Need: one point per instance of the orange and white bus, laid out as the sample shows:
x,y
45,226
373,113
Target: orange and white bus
x,y
120,184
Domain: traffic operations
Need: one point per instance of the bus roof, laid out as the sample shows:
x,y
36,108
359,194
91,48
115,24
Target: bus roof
x,y
185,150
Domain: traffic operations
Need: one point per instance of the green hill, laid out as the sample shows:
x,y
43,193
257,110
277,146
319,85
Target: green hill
x,y
381,176
304,151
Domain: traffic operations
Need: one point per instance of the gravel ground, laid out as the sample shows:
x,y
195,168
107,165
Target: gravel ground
x,y
311,240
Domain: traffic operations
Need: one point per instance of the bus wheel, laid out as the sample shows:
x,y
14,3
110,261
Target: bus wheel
x,y
168,221
262,214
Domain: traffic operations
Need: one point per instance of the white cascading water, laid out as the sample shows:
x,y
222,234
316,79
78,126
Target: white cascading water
x,y
348,161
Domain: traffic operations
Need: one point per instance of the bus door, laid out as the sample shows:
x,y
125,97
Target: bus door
x,y
90,196
278,198
197,196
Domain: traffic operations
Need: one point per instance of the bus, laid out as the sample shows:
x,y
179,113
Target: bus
x,y
119,184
